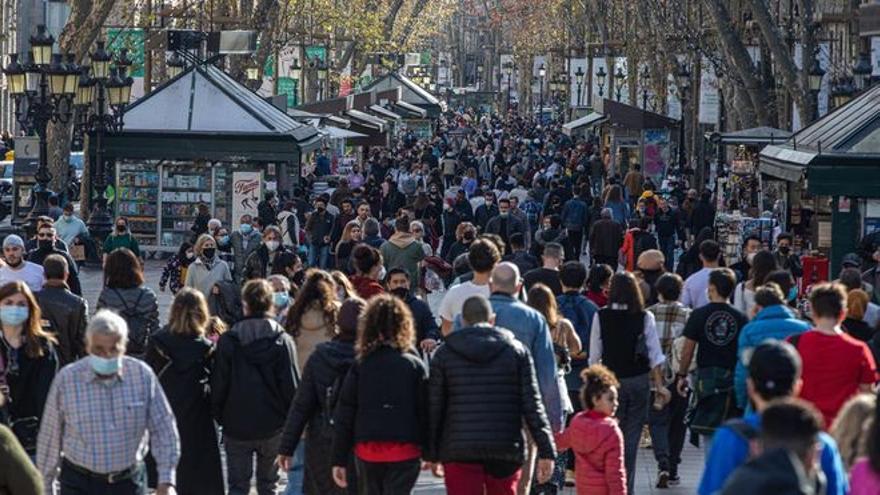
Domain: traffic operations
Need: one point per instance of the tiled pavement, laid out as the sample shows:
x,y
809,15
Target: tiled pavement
x,y
690,469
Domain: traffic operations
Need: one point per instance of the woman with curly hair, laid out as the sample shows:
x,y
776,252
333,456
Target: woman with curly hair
x,y
382,408
312,318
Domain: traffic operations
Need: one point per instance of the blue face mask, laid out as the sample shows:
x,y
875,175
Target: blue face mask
x,y
246,228
792,293
224,240
105,366
13,315
281,299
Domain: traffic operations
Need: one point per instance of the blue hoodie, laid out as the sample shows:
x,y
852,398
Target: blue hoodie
x,y
773,322
729,451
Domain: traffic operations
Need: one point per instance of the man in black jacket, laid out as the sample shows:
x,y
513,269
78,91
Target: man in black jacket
x,y
484,446
254,381
45,246
66,312
427,331
667,225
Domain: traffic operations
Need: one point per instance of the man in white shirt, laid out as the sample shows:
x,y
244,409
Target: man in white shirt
x,y
17,268
483,255
695,292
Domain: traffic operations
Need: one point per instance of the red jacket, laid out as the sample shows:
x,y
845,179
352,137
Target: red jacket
x,y
597,443
366,287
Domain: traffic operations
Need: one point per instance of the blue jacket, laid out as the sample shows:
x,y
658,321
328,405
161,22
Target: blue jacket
x,y
575,214
619,211
729,450
579,311
772,322
530,328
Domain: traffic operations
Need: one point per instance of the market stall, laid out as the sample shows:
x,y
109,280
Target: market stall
x,y
201,138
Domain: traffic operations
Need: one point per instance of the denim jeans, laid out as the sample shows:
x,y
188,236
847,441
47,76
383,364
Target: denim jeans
x,y
667,247
240,465
319,256
297,469
632,414
668,430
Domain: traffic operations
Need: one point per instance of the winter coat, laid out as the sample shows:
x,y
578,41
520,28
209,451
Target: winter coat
x,y
606,237
383,399
514,226
39,255
202,275
241,253
619,212
313,331
328,366
426,324
139,300
174,273
575,214
28,389
258,264
486,366
597,443
483,213
366,287
254,379
67,315
183,366
777,472
403,251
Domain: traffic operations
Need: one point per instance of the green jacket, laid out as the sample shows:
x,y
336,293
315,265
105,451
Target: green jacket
x,y
18,475
403,251
125,240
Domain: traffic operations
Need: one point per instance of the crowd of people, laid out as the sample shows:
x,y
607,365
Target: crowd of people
x,y
574,316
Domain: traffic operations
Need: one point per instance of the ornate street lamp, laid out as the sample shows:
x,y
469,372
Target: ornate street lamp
x,y
600,80
862,72
842,92
816,74
175,65
43,91
645,79
579,79
619,79
542,73
683,78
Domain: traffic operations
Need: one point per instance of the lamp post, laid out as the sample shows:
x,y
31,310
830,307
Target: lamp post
x,y
862,72
175,65
684,81
542,73
619,78
579,79
42,94
815,76
296,75
508,68
645,79
101,99
600,80
323,71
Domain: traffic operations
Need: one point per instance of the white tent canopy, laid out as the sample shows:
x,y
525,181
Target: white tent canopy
x,y
588,120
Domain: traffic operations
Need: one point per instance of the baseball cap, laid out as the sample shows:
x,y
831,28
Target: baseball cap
x,y
851,260
13,240
774,367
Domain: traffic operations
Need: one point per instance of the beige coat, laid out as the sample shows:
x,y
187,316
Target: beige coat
x,y
313,330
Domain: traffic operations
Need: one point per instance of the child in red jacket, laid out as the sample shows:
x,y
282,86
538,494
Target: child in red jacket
x,y
595,438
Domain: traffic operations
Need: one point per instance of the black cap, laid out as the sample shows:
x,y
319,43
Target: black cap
x,y
851,260
774,367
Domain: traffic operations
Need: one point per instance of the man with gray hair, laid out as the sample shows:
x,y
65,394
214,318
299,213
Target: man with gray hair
x,y
606,237
548,273
530,328
101,414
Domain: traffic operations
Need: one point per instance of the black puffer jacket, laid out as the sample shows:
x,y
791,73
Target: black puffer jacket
x,y
482,387
327,362
383,399
67,315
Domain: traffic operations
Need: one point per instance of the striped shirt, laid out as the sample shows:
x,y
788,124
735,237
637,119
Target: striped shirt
x,y
105,425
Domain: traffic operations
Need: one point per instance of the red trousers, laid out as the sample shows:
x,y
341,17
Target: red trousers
x,y
472,479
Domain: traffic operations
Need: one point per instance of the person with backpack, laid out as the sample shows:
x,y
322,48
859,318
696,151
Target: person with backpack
x,y
125,293
579,310
774,372
312,409
381,413
182,358
253,383
288,223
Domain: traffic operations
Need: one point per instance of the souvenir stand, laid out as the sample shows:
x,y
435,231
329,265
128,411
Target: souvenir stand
x,y
201,138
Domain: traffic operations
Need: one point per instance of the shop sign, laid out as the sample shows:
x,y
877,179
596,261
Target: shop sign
x,y
843,204
246,194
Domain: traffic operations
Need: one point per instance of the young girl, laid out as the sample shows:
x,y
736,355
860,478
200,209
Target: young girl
x,y
175,270
595,438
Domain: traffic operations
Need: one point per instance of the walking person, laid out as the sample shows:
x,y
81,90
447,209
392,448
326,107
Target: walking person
x,y
381,412
482,363
207,270
182,358
575,217
763,263
624,339
319,227
174,273
121,237
403,250
262,262
97,458
65,312
606,237
312,319
252,385
368,267
46,240
125,293
16,268
244,242
312,409
695,293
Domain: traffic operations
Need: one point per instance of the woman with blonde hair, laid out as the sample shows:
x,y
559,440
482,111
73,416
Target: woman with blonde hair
x,y
208,269
381,412
29,361
351,236
851,426
182,356
312,318
854,324
344,289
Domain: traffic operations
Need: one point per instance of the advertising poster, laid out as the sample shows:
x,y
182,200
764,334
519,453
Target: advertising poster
x,y
246,194
656,153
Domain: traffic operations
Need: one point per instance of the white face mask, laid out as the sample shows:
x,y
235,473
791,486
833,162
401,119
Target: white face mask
x,y
272,245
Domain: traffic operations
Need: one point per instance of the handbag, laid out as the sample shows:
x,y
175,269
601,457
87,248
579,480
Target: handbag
x,y
714,402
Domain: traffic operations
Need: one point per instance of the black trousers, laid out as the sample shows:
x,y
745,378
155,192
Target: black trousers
x,y
387,478
573,245
606,260
76,483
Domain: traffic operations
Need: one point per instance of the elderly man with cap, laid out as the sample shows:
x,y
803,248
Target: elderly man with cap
x,y
606,237
16,268
774,372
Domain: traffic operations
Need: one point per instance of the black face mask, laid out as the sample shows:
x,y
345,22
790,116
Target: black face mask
x,y
401,292
784,249
209,253
45,244
120,228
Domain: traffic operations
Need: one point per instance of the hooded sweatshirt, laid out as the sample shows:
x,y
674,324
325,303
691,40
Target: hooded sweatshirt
x,y
403,251
597,443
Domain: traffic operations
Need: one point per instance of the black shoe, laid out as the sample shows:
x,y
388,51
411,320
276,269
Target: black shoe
x,y
663,479
674,480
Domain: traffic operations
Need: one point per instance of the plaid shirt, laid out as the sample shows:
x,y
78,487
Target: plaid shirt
x,y
671,319
105,426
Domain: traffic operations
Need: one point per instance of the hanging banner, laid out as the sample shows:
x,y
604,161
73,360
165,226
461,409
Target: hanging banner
x,y
246,194
709,99
573,65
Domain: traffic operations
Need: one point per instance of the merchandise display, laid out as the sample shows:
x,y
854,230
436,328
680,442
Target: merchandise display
x,y
137,194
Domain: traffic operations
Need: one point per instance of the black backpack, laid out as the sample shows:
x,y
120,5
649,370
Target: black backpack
x,y
331,397
138,325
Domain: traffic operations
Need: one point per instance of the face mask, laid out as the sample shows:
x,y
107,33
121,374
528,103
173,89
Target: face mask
x,y
66,217
209,253
280,299
13,315
504,214
320,208
45,244
120,228
401,292
224,240
382,273
784,249
792,293
246,228
272,245
105,366
750,258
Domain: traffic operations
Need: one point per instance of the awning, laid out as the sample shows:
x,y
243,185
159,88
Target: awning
x,y
588,120
411,109
367,120
338,121
753,136
337,133
384,112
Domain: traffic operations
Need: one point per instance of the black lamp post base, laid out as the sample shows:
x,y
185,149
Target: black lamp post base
x,y
40,209
100,222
